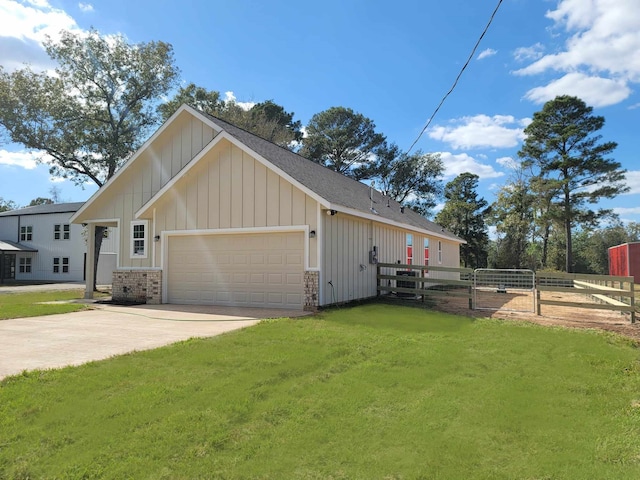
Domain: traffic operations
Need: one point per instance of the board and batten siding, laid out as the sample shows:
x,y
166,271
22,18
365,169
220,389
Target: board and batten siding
x,y
345,257
230,189
152,169
347,243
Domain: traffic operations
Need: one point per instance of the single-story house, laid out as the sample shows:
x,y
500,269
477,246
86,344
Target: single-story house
x,y
40,243
209,213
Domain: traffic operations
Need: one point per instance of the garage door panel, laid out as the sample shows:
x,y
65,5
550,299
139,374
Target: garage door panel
x,y
250,269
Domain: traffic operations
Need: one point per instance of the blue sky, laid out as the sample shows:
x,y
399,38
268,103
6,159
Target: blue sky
x,y
391,61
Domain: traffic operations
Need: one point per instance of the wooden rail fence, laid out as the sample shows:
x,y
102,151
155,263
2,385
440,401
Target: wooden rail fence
x,y
609,292
424,280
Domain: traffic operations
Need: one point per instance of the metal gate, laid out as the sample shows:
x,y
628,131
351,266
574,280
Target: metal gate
x,y
504,289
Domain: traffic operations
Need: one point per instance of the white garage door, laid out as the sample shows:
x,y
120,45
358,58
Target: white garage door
x,y
257,270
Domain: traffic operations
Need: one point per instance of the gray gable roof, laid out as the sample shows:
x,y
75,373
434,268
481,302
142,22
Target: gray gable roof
x,y
334,187
44,209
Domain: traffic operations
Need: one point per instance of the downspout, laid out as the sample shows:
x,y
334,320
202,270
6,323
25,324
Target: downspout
x,y
153,241
320,254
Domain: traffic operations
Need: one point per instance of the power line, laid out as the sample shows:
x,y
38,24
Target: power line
x,y
458,77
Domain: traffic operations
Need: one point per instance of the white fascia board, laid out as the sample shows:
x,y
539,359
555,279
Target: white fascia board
x,y
129,162
178,176
234,141
322,201
386,221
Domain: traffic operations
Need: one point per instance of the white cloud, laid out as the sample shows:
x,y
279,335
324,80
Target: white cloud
x,y
455,164
601,50
85,7
507,162
633,181
22,159
627,210
482,131
231,98
595,91
634,106
534,52
489,52
25,26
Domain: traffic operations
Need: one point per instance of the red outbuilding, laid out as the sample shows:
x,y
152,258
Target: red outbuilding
x,y
624,260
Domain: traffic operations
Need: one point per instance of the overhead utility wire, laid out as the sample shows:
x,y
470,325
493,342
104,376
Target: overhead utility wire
x,y
458,77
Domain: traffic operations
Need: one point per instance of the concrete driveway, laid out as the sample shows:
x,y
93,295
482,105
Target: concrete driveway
x,y
54,341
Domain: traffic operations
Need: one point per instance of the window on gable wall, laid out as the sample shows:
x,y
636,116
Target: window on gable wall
x,y
409,249
26,233
61,232
139,238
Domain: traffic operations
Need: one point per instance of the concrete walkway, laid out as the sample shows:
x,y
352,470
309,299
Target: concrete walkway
x,y
72,339
46,287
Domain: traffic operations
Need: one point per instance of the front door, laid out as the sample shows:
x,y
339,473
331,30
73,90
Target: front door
x,y
7,266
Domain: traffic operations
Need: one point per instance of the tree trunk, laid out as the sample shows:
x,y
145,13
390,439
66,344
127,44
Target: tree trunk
x,y
545,246
98,238
569,247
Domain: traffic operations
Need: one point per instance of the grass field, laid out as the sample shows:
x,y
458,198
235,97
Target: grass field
x,y
19,305
370,392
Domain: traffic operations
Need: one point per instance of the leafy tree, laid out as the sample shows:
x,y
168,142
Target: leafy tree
x,y
266,119
413,180
6,205
512,215
592,247
94,113
570,161
633,231
40,201
342,140
207,101
463,214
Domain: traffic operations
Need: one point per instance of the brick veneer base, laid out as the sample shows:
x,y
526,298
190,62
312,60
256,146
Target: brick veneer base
x,y
311,291
140,286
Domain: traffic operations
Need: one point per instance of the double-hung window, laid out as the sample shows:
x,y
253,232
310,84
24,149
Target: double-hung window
x,y
139,239
409,249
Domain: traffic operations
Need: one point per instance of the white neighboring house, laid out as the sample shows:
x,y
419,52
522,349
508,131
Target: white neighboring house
x,y
39,243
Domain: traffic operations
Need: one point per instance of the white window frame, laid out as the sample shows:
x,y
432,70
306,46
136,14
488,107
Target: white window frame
x,y
144,239
25,265
61,264
26,233
439,252
425,247
61,231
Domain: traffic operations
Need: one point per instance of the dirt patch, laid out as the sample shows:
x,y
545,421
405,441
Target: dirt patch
x,y
508,307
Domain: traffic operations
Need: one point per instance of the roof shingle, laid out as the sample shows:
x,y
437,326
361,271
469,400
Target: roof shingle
x,y
334,187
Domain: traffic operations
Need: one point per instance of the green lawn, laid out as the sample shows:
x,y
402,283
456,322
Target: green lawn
x,y
371,392
18,305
